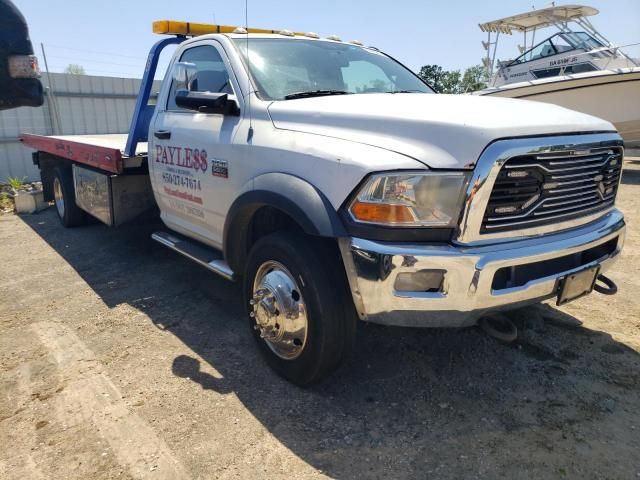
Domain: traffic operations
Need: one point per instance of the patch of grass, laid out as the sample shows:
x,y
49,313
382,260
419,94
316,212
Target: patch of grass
x,y
15,182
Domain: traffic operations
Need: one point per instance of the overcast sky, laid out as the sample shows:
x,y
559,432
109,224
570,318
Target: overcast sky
x,y
113,37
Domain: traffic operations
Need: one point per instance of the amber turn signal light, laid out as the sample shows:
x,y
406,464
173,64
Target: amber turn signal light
x,y
382,213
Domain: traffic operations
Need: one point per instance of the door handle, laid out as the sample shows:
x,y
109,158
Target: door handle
x,y
162,134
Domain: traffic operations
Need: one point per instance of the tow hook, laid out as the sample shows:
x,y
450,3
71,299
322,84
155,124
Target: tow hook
x,y
609,287
499,327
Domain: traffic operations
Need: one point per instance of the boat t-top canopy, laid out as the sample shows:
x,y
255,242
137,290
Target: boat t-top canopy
x,y
540,18
528,23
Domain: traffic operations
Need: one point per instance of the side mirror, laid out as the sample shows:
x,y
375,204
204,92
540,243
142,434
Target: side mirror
x,y
207,102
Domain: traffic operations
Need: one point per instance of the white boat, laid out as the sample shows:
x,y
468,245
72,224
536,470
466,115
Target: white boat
x,y
577,68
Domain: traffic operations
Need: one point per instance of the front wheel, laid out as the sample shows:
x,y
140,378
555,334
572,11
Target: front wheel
x,y
298,306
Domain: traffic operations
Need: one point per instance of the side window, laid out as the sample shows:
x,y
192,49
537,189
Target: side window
x,y
211,76
545,49
568,70
546,72
580,68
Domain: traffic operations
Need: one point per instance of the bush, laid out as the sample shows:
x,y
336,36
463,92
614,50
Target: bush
x,y
15,183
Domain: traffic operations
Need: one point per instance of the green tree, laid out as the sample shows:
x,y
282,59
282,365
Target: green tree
x,y
442,81
434,76
75,69
453,81
474,78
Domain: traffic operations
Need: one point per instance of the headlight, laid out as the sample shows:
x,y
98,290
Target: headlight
x,y
411,199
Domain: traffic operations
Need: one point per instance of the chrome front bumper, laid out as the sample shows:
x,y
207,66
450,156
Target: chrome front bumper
x,y
467,290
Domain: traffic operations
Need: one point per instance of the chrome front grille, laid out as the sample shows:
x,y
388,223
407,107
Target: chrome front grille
x,y
534,190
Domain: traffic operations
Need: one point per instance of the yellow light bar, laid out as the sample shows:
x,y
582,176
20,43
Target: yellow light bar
x,y
172,27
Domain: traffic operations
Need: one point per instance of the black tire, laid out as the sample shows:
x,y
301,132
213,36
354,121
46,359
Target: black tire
x,y
331,320
70,214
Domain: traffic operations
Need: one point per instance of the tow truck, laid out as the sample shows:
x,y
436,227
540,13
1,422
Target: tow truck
x,y
337,186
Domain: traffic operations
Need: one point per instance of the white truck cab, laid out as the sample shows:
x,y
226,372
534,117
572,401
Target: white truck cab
x,y
336,185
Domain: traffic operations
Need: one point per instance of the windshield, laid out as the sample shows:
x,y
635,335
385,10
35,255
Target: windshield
x,y
285,68
582,40
557,44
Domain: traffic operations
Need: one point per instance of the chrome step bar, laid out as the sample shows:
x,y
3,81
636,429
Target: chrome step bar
x,y
206,256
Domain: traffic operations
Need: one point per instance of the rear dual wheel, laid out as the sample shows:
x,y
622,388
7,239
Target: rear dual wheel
x,y
298,304
64,197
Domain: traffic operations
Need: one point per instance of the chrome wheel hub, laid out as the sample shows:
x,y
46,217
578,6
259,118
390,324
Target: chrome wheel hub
x,y
279,310
57,196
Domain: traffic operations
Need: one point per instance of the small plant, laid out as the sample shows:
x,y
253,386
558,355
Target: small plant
x,y
15,183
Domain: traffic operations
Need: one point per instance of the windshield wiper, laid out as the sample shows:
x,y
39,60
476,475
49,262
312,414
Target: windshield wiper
x,y
314,93
405,91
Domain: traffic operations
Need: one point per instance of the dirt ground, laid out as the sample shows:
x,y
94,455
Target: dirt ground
x,y
121,359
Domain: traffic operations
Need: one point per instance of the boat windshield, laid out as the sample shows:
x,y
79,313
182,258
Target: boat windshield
x,y
557,44
582,40
285,69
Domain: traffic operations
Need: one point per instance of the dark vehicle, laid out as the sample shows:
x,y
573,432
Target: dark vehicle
x,y
19,74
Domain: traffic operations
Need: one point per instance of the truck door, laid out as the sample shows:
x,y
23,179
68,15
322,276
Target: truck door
x,y
192,154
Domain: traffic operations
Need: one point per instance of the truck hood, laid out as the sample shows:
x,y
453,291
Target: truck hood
x,y
441,131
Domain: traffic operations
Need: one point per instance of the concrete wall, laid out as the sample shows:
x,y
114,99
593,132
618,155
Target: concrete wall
x,y
85,105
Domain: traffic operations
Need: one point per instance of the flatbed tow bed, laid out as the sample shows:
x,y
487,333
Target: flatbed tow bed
x,y
107,183
105,152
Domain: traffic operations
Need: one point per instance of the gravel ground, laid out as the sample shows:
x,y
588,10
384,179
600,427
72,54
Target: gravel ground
x,y
121,359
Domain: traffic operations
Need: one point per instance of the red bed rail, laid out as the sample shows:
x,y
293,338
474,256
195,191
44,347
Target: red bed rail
x,y
104,158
